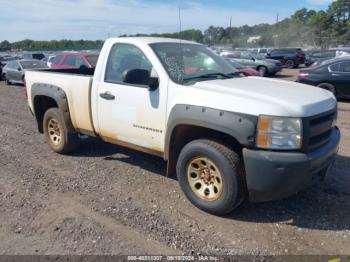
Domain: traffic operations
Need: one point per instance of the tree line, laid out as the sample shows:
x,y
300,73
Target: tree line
x,y
305,27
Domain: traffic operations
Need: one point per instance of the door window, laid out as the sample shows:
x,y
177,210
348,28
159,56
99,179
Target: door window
x,y
125,57
13,65
344,67
334,68
79,62
246,56
57,59
70,60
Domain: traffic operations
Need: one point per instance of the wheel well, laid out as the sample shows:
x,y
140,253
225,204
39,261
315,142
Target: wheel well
x,y
41,105
183,134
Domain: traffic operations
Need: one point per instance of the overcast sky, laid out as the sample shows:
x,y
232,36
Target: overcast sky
x,y
96,19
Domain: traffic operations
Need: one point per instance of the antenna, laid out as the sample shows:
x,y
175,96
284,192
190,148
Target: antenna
x,y
180,23
180,33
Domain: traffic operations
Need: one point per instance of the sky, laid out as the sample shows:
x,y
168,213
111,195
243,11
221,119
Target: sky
x,y
98,19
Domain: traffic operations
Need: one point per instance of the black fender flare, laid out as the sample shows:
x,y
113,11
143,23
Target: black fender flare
x,y
57,94
241,127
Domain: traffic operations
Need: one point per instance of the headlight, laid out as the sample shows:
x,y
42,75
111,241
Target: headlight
x,y
282,133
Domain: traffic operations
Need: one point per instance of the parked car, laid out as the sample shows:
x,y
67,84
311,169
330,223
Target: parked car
x,y
338,53
48,60
226,137
261,51
332,75
245,70
289,57
5,59
74,60
3,62
33,56
14,71
1,66
265,67
318,56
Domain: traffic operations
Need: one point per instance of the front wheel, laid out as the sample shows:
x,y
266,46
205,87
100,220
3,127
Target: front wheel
x,y
262,70
290,64
8,82
211,176
57,136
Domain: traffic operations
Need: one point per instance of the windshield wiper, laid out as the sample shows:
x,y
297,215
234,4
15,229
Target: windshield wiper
x,y
211,75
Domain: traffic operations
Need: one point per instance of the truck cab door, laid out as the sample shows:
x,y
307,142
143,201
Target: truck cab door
x,y
129,114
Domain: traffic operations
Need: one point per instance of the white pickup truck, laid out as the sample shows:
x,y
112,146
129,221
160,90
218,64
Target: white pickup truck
x,y
227,138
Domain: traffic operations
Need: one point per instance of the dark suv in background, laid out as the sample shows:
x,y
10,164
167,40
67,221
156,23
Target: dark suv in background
x,y
290,57
33,56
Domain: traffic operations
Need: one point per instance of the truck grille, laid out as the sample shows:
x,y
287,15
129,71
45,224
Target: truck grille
x,y
318,130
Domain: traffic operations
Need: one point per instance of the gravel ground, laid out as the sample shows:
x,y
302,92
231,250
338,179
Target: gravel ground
x,y
104,199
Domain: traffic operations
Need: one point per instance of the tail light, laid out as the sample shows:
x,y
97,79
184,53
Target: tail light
x,y
303,75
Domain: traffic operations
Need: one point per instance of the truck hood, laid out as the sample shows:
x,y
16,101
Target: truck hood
x,y
256,95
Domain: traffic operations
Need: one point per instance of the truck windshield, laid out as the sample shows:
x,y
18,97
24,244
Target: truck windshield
x,y
189,63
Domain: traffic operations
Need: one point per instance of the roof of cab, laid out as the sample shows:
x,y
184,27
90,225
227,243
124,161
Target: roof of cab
x,y
152,40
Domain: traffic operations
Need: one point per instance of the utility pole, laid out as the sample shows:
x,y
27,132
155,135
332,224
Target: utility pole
x,y
276,37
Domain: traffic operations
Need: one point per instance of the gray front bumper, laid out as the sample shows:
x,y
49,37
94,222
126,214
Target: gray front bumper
x,y
275,175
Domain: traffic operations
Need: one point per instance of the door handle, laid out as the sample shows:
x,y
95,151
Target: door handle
x,y
107,96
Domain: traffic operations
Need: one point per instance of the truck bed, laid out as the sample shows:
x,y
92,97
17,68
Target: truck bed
x,y
76,83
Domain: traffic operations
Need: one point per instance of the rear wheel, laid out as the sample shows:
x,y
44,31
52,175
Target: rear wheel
x,y
56,133
290,64
211,176
8,82
328,87
262,71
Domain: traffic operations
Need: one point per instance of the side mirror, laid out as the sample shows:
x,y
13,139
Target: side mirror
x,y
19,69
140,77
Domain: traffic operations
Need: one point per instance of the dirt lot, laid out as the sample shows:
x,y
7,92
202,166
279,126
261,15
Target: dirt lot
x,y
105,199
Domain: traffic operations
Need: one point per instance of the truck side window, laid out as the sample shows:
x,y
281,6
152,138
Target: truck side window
x,y
125,57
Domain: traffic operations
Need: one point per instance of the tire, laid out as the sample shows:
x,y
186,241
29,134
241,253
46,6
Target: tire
x,y
8,82
290,64
227,170
262,71
329,87
57,136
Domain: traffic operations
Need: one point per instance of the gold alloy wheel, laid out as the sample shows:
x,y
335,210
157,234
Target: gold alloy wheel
x,y
205,179
54,130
